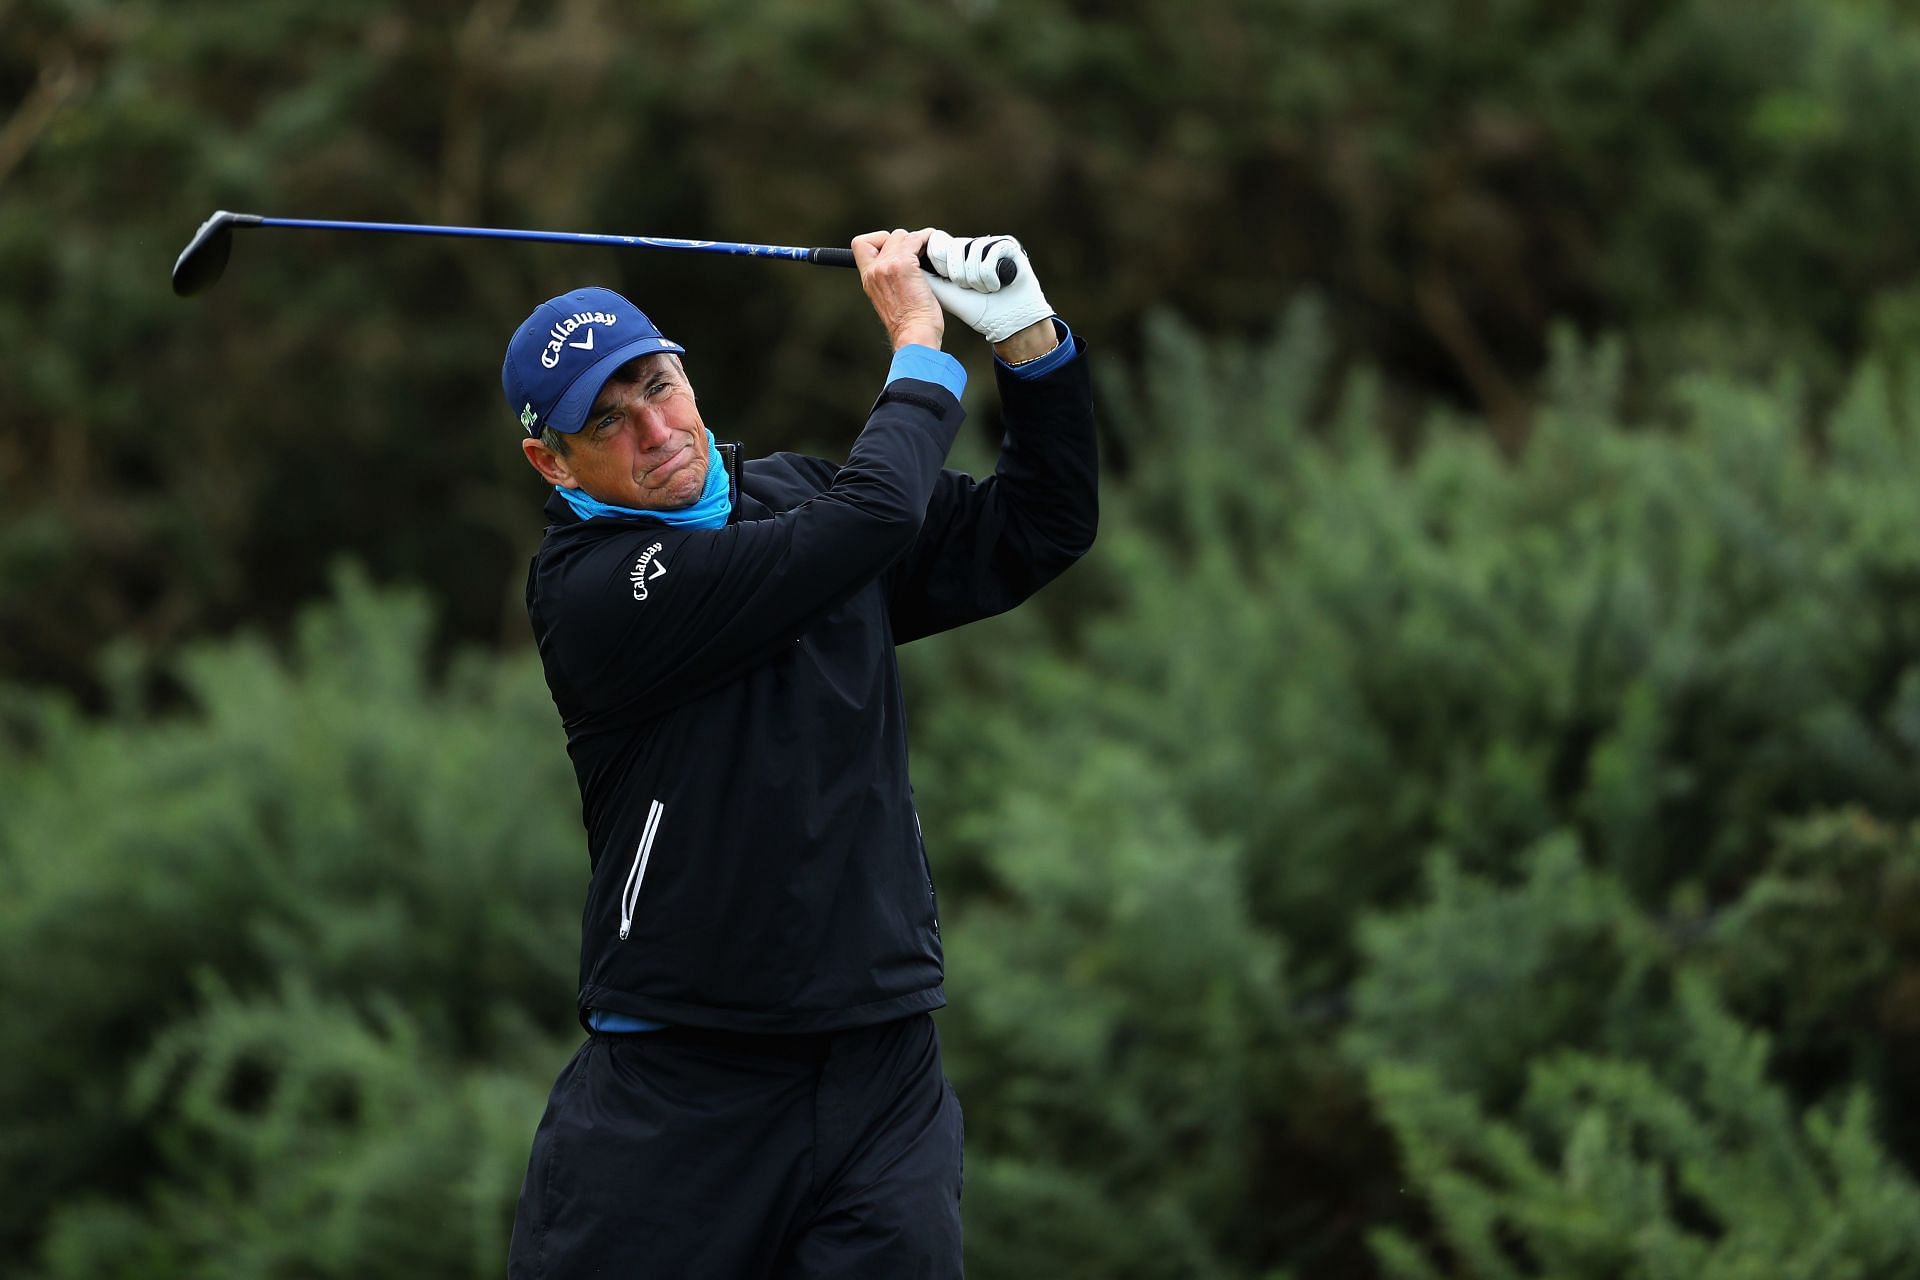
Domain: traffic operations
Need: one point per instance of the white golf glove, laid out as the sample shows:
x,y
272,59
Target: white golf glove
x,y
966,279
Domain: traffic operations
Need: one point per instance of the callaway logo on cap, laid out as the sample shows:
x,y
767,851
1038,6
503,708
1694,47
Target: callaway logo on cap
x,y
564,352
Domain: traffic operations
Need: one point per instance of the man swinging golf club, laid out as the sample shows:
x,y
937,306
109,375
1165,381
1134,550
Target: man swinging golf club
x,y
761,1092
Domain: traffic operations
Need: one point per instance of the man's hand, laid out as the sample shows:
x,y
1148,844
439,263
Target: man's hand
x,y
967,282
889,263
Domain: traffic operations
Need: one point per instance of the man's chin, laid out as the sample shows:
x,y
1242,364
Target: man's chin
x,y
680,492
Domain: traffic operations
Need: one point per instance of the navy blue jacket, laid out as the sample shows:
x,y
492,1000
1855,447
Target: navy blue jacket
x,y
733,711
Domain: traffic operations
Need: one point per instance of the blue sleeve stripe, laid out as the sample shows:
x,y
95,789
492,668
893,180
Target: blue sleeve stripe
x,y
604,1020
1047,363
928,365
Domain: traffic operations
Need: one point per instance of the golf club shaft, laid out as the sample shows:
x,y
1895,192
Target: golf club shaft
x,y
822,257
201,263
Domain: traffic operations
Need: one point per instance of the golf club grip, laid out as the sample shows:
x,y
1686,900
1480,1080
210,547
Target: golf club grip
x,y
1007,269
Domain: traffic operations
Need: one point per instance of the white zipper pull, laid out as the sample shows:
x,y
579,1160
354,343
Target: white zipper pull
x,y
630,895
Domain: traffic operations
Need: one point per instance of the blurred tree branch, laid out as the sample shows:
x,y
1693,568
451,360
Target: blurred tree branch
x,y
60,78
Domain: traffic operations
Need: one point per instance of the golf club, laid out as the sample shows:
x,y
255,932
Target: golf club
x,y
201,263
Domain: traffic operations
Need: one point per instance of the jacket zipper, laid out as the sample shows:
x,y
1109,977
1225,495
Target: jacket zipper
x,y
933,899
630,896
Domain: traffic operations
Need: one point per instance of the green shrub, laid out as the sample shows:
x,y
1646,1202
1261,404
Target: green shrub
x,y
1493,750
1371,862
1694,1164
337,868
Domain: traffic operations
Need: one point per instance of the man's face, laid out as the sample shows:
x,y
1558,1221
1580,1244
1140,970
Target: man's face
x,y
643,445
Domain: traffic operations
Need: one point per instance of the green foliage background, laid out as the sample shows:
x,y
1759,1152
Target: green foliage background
x,y
1460,822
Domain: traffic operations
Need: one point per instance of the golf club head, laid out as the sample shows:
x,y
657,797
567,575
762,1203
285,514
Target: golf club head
x,y
205,256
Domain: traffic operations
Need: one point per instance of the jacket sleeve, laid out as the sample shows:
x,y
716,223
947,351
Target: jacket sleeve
x,y
624,633
987,545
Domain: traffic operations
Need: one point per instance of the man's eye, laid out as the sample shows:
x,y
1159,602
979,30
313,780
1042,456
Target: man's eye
x,y
605,422
657,388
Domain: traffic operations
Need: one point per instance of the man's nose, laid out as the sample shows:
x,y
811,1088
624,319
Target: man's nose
x,y
650,425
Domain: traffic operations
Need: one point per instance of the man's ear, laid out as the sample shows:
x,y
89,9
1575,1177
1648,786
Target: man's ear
x,y
551,466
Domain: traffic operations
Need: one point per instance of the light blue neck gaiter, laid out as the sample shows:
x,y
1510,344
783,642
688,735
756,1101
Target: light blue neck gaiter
x,y
709,512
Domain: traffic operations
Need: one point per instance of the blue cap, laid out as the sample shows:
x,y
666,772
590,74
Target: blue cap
x,y
564,352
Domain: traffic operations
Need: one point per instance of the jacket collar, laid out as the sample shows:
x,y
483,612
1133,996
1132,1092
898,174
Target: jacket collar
x,y
559,513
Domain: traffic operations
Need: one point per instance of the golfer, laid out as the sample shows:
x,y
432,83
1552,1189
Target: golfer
x,y
761,1091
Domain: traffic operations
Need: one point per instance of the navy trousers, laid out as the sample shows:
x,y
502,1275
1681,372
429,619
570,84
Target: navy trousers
x,y
686,1153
